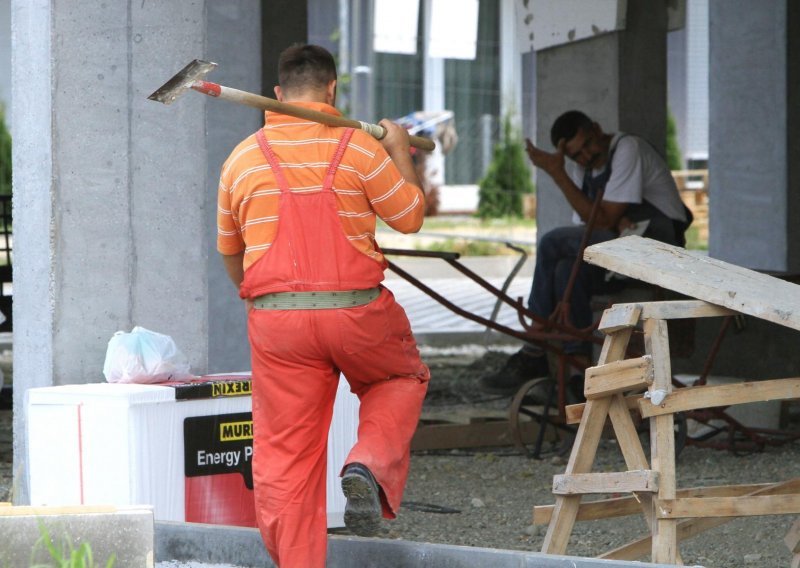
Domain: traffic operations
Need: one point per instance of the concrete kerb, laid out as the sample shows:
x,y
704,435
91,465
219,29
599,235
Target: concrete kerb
x,y
184,542
127,534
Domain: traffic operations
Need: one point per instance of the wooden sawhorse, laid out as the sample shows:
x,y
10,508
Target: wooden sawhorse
x,y
671,515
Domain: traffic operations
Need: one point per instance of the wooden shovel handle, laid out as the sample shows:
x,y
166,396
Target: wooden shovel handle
x,y
266,103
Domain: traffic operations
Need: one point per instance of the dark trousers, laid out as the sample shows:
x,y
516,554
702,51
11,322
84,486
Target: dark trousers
x,y
555,256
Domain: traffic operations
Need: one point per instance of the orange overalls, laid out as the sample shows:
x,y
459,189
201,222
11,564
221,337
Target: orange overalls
x,y
297,356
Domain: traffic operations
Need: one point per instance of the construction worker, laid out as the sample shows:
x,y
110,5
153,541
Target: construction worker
x,y
298,203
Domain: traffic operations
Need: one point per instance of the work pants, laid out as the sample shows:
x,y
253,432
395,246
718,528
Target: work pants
x,y
297,356
555,256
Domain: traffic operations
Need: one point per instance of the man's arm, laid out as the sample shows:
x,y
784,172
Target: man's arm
x,y
234,267
397,146
553,165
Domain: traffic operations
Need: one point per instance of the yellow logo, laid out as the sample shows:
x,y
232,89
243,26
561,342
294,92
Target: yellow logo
x,y
232,431
231,388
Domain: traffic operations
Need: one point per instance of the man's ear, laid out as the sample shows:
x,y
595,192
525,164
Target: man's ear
x,y
330,93
278,93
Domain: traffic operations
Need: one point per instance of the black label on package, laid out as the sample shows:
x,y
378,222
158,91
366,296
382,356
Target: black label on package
x,y
219,444
216,388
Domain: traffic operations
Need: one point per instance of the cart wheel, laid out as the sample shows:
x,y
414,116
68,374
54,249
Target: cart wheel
x,y
524,409
681,430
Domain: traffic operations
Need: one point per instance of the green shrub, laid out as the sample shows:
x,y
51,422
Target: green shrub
x,y
674,158
507,179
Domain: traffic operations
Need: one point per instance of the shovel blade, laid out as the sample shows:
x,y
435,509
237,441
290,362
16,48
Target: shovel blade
x,y
182,81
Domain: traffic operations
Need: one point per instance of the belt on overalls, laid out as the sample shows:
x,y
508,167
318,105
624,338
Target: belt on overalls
x,y
316,300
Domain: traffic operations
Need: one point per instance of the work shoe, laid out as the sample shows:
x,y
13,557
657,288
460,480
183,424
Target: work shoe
x,y
519,369
362,514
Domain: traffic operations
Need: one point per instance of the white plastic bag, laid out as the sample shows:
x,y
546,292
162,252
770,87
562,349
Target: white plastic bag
x,y
143,356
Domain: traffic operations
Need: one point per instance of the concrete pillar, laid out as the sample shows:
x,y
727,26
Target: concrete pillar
x,y
234,42
109,188
617,78
754,151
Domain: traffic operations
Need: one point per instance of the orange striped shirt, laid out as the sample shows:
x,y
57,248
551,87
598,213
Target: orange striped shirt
x,y
367,184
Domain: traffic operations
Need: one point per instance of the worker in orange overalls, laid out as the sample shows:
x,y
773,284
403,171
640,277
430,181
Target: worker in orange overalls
x,y
298,203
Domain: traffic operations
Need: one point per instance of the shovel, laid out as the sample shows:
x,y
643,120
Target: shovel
x,y
191,77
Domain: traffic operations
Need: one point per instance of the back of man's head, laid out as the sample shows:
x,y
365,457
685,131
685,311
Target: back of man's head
x,y
305,67
568,125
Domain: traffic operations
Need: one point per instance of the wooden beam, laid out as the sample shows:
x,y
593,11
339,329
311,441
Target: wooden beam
x,y
642,480
473,435
574,412
702,277
619,316
584,450
683,309
662,443
792,538
619,376
710,396
691,528
728,506
629,505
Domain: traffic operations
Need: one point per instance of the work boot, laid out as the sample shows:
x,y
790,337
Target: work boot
x,y
362,514
519,369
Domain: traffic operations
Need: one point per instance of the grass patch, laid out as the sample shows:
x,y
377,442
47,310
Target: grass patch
x,y
466,247
65,554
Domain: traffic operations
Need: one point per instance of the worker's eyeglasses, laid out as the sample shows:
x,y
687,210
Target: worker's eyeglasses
x,y
589,138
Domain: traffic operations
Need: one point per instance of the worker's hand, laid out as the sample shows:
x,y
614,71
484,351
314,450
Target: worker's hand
x,y
396,139
625,223
552,164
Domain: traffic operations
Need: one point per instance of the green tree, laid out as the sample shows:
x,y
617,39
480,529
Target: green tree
x,y
674,158
507,179
5,156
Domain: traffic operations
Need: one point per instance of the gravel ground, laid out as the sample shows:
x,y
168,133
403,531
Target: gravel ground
x,y
485,497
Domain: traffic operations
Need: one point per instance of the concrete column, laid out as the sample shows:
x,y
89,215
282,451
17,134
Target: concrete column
x,y
109,188
754,152
234,28
618,79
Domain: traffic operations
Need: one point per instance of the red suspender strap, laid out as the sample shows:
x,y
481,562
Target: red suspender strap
x,y
337,158
272,159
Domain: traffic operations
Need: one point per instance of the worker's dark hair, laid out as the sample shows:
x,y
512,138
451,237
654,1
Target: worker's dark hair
x,y
305,66
568,125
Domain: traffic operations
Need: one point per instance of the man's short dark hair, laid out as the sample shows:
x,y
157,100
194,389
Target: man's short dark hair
x,y
307,66
568,125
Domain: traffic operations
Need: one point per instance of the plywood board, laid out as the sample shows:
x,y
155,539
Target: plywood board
x,y
701,277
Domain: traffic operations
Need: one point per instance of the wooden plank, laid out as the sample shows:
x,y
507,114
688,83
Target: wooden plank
x,y
662,443
473,435
632,451
619,316
681,309
699,276
631,505
643,480
574,412
710,396
618,376
792,538
691,528
584,450
728,506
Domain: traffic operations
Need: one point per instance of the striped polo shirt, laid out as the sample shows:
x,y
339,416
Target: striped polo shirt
x,y
367,184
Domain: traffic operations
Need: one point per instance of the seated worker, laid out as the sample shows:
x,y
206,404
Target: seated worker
x,y
638,190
